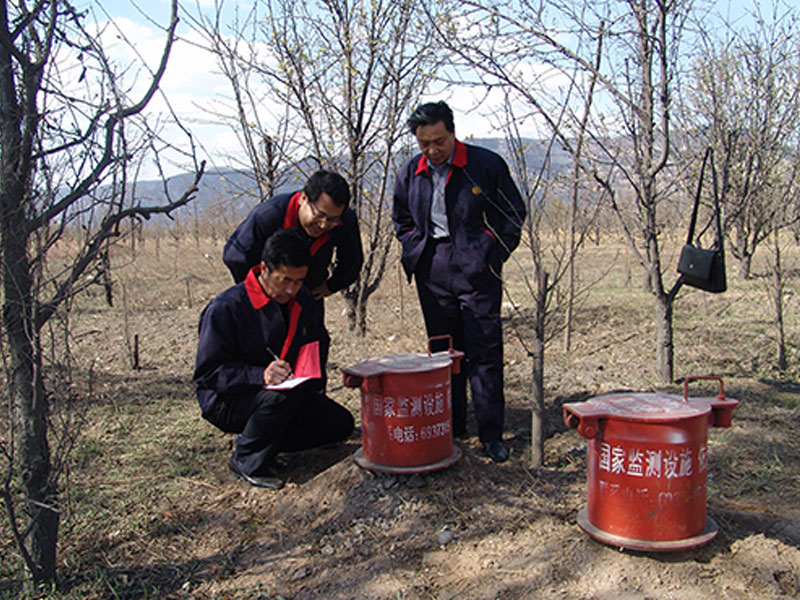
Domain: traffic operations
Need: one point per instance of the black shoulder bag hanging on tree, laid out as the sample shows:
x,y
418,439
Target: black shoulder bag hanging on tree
x,y
704,268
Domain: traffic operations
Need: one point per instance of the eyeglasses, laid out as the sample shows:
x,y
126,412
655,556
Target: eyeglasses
x,y
321,216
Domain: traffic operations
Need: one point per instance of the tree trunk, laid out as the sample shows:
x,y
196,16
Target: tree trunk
x,y
35,526
664,340
361,317
745,265
537,374
777,303
356,298
39,533
568,308
355,310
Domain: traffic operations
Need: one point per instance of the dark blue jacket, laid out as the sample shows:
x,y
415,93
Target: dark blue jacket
x,y
235,331
243,249
485,211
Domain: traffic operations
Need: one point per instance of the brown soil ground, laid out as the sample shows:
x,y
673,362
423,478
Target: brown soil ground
x,y
151,511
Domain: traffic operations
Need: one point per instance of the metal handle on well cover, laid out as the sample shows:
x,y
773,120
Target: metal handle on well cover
x,y
587,427
720,395
367,383
435,338
351,380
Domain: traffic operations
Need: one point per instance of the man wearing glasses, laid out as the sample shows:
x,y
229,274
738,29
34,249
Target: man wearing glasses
x,y
319,211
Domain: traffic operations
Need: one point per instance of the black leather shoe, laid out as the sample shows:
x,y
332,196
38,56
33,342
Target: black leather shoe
x,y
281,463
269,482
496,450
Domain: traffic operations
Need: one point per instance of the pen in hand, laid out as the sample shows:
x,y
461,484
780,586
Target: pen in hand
x,y
278,358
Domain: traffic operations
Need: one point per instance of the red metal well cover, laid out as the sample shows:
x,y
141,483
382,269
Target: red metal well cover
x,y
406,410
646,467
399,363
647,407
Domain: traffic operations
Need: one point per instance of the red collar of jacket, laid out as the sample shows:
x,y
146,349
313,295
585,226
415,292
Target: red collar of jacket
x,y
459,159
291,221
290,218
256,293
259,299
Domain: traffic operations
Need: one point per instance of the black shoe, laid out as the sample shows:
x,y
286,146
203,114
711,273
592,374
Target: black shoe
x,y
269,482
496,451
281,463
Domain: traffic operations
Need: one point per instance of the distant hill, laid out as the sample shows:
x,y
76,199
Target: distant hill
x,y
228,195
230,190
535,152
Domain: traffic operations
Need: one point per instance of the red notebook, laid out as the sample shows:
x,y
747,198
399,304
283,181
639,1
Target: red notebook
x,y
306,367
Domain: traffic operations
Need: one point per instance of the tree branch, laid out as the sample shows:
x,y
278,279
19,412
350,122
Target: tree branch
x,y
106,230
111,123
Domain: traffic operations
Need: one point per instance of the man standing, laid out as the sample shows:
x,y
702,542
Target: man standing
x,y
249,337
458,216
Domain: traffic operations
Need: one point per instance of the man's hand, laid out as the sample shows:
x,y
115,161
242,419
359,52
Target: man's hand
x,y
321,291
277,371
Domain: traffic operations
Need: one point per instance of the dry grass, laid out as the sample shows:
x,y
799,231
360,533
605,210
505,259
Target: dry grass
x,y
150,511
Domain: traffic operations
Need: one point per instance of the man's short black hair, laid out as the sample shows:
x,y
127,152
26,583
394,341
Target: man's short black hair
x,y
330,183
431,113
286,248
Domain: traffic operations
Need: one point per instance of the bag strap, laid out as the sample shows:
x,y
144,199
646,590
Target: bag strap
x,y
718,242
708,157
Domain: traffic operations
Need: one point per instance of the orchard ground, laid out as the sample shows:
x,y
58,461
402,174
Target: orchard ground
x,y
150,510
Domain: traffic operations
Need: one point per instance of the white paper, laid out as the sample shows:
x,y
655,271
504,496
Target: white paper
x,y
288,384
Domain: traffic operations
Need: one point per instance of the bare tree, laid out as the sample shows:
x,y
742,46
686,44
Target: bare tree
x,y
746,100
553,260
630,131
578,194
346,71
68,130
261,127
776,289
642,71
497,44
746,97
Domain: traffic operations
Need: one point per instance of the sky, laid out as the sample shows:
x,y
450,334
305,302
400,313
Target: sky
x,y
193,85
192,82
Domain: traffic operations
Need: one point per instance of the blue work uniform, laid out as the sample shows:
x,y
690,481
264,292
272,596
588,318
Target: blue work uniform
x,y
243,249
459,277
238,331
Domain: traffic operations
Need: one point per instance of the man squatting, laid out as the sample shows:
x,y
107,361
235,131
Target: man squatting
x,y
269,313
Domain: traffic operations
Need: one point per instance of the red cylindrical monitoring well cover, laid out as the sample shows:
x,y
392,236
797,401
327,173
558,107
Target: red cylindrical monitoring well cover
x,y
406,411
646,467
